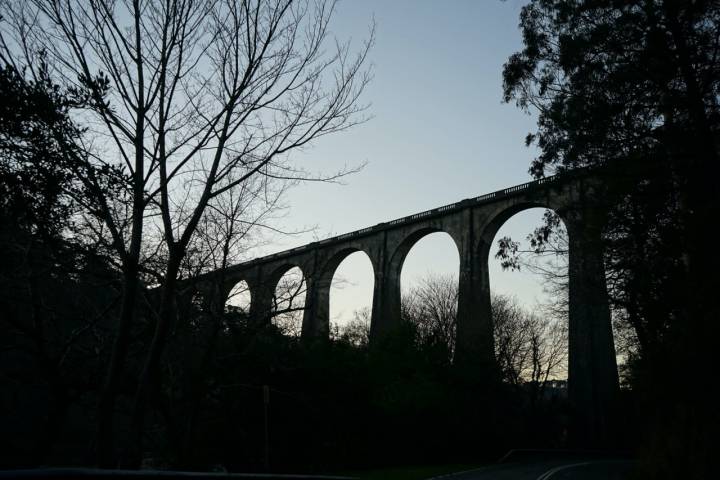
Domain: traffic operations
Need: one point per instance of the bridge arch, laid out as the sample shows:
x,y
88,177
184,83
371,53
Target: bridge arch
x,y
504,212
262,282
316,320
388,295
239,297
276,272
400,254
540,291
591,364
330,266
429,280
288,283
356,294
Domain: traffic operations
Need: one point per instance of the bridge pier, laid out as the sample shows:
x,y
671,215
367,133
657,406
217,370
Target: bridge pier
x,y
593,385
316,316
474,336
386,303
261,299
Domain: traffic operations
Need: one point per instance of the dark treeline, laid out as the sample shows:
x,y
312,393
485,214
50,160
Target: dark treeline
x,y
334,406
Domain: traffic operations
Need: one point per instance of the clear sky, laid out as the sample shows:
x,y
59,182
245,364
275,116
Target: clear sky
x,y
440,133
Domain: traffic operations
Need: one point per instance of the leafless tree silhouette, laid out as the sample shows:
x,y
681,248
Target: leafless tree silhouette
x,y
188,100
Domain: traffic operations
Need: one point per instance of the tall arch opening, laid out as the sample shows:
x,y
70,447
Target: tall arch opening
x,y
237,305
239,299
288,302
529,297
429,289
528,265
351,297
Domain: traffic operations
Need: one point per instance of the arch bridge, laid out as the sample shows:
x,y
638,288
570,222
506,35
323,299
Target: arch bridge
x,y
472,223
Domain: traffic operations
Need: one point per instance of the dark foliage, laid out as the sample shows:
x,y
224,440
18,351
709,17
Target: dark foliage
x,y
333,406
36,135
55,291
635,85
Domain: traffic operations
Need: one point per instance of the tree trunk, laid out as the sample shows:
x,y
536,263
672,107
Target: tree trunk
x,y
197,391
106,405
150,376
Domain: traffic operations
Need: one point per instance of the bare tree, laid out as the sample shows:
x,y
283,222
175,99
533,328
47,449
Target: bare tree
x,y
233,224
355,332
189,100
512,338
288,303
432,307
529,347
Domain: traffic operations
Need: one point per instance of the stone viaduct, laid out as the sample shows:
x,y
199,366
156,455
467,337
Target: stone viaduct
x,y
472,224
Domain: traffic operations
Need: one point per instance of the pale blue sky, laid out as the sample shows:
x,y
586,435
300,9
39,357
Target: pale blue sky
x,y
440,133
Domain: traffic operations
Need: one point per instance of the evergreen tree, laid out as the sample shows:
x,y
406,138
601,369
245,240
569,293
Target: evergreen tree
x,y
634,84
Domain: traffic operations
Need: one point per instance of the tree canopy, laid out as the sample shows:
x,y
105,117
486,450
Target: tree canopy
x,y
36,134
617,80
635,84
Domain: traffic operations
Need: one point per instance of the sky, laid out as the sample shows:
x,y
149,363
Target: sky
x,y
439,134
